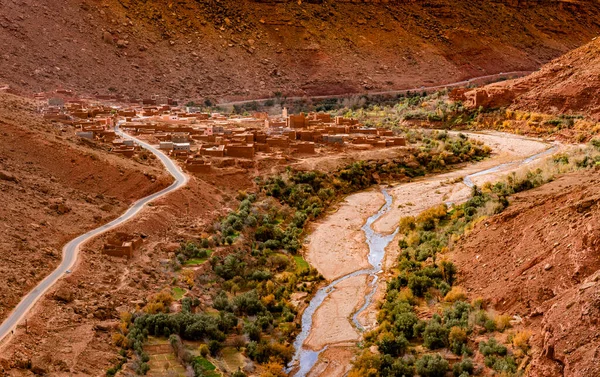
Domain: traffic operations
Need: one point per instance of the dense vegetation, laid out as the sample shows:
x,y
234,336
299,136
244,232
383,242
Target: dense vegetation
x,y
251,269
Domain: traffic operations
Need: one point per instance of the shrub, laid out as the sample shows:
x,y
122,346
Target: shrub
x,y
252,331
431,366
492,347
456,294
490,325
214,346
435,335
502,322
521,340
457,339
419,284
463,367
392,345
204,351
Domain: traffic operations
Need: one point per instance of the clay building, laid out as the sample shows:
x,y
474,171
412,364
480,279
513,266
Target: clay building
x,y
122,245
240,151
213,151
196,164
296,121
180,137
304,148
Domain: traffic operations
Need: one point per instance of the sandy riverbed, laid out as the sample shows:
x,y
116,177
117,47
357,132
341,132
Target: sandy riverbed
x,y
337,245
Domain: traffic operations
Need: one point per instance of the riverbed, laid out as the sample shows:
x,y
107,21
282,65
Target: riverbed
x,y
354,247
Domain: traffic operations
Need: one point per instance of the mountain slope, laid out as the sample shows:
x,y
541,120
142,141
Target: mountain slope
x,y
239,49
567,85
539,260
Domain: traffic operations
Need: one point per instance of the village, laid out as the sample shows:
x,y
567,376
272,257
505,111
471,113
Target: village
x,y
206,142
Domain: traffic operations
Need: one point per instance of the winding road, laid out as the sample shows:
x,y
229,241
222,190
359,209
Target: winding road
x,y
71,249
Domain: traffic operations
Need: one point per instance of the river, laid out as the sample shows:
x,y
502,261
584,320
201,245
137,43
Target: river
x,y
339,312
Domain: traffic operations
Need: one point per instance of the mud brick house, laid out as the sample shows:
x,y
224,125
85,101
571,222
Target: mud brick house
x,y
333,139
319,117
278,142
341,121
240,151
262,147
384,132
165,145
304,148
124,150
275,123
180,137
85,134
397,141
296,121
181,147
122,245
196,164
213,151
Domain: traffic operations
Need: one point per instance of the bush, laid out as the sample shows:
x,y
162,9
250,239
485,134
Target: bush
x,y
405,322
463,367
521,340
435,335
432,366
419,284
204,351
392,345
490,325
214,346
457,339
456,294
502,322
492,347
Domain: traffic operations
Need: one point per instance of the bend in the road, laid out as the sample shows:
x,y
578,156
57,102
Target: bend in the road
x,y
71,249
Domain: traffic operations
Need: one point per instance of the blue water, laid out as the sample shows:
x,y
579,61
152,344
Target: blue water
x,y
305,358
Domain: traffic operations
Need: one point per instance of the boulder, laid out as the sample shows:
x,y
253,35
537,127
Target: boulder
x,y
107,37
6,176
64,294
39,366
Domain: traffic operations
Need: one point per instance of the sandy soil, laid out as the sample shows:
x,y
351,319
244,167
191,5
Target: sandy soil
x,y
334,361
348,251
332,316
337,245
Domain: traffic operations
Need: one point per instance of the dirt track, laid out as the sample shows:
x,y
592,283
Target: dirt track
x,y
347,251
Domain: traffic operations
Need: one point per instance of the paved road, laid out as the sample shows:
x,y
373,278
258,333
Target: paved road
x,y
390,92
71,250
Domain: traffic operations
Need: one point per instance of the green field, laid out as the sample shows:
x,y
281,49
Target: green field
x,y
178,293
198,261
207,366
301,263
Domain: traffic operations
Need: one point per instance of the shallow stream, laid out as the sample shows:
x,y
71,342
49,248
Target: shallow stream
x,y
304,358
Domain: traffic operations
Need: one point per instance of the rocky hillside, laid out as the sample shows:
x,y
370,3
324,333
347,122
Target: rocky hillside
x,y
567,85
539,260
234,49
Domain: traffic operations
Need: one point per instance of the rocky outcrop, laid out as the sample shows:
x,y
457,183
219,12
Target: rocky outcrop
x,y
569,84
